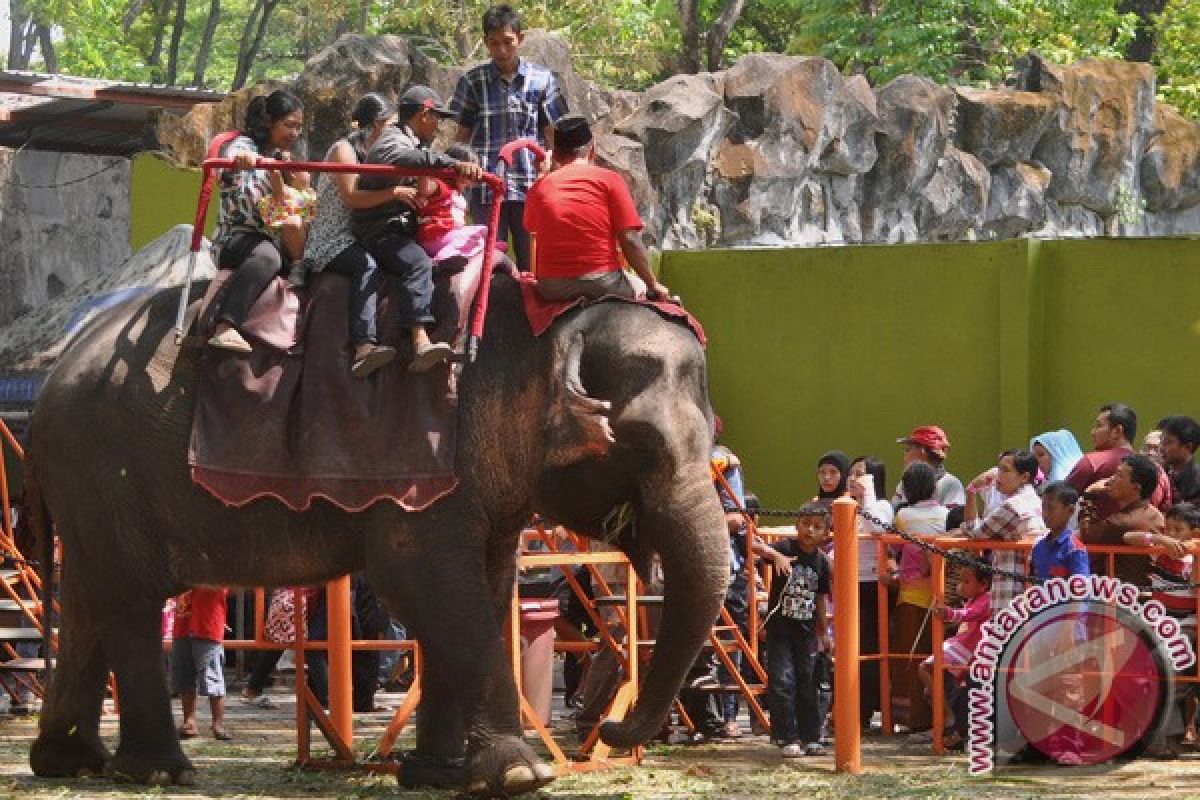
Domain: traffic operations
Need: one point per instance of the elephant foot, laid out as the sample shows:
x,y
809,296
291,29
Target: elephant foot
x,y
161,767
418,771
504,768
67,755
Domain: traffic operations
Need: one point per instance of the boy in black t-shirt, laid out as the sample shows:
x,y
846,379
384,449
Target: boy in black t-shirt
x,y
797,628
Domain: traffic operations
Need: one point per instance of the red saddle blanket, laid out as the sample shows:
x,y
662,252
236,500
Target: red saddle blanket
x,y
289,421
541,313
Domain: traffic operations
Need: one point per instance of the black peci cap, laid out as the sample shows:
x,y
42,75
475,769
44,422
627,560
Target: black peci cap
x,y
571,133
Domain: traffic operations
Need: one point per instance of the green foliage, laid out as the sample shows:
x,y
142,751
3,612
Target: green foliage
x,y
614,42
970,41
1178,57
634,43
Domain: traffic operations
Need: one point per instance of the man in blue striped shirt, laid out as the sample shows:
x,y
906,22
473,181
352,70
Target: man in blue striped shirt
x,y
501,101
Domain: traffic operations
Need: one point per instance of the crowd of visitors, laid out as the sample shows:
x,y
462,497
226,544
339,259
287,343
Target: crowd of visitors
x,y
1051,496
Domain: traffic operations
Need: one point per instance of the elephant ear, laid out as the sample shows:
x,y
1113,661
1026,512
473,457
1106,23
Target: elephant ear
x,y
577,425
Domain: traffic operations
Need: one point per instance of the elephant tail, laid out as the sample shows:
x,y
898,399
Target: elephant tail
x,y
41,528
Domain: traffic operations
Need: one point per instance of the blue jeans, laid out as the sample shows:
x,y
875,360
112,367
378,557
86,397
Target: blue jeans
x,y
791,690
512,224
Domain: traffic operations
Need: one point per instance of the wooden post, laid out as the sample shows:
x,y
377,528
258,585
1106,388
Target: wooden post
x,y
341,702
847,743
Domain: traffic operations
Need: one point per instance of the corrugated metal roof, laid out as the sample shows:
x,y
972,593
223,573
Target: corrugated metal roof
x,y
87,115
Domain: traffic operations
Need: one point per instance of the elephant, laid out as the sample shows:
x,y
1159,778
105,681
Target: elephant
x,y
608,407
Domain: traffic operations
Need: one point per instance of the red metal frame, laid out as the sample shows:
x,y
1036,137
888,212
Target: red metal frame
x,y
211,164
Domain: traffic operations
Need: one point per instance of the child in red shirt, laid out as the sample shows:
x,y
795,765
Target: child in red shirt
x,y
443,231
198,659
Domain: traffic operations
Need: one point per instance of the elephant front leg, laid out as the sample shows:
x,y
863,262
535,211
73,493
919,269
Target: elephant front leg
x,y
499,761
149,750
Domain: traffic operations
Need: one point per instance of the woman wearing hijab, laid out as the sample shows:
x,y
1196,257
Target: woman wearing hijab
x,y
833,469
1057,452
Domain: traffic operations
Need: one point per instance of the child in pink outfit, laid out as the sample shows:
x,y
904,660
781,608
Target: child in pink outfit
x,y
443,231
973,585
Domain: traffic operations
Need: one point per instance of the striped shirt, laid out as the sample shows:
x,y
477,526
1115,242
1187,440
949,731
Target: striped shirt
x,y
498,112
240,192
1018,518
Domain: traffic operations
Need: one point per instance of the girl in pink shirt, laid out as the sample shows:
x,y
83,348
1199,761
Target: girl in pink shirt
x,y
974,584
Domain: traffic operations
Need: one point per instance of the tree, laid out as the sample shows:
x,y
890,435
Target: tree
x,y
958,41
252,38
1142,46
176,39
1178,55
713,39
202,55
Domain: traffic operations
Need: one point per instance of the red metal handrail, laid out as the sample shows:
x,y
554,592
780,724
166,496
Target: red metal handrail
x,y
212,164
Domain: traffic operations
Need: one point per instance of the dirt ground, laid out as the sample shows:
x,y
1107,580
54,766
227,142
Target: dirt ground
x,y
259,763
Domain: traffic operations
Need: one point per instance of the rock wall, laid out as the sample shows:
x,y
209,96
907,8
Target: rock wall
x,y
786,150
54,238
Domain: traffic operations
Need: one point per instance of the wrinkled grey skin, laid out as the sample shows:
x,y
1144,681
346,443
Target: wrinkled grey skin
x,y
108,458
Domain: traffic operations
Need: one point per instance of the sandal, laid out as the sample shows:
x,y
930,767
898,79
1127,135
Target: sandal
x,y
222,735
188,732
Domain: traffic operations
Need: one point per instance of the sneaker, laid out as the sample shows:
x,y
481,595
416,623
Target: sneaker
x,y
372,360
920,737
814,749
793,750
731,730
430,356
230,339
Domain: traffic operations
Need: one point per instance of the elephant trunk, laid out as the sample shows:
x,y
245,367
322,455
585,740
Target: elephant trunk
x,y
690,535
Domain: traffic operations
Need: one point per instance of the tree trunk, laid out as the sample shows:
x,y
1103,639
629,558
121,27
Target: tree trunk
x,y
49,58
214,15
718,34
971,56
364,10
462,30
176,38
162,11
689,25
252,38
131,14
18,23
1143,45
867,9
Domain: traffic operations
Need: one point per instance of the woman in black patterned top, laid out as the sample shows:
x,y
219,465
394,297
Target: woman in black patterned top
x,y
273,125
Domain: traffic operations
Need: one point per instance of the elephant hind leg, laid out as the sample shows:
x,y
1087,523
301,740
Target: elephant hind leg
x,y
68,743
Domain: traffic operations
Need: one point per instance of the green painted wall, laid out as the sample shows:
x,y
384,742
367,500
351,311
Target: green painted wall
x,y
162,195
851,347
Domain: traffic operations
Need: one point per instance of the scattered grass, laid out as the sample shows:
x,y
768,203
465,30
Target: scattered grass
x,y
259,765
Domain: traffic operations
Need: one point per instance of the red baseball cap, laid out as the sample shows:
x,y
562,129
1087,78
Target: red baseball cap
x,y
928,436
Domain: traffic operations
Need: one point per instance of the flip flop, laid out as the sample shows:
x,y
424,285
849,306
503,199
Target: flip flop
x,y
187,733
429,357
372,360
222,735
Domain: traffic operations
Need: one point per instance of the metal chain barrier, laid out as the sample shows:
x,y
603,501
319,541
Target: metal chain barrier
x,y
956,556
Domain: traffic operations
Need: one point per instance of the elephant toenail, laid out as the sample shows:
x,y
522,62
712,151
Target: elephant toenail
x,y
159,777
478,788
544,772
518,777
